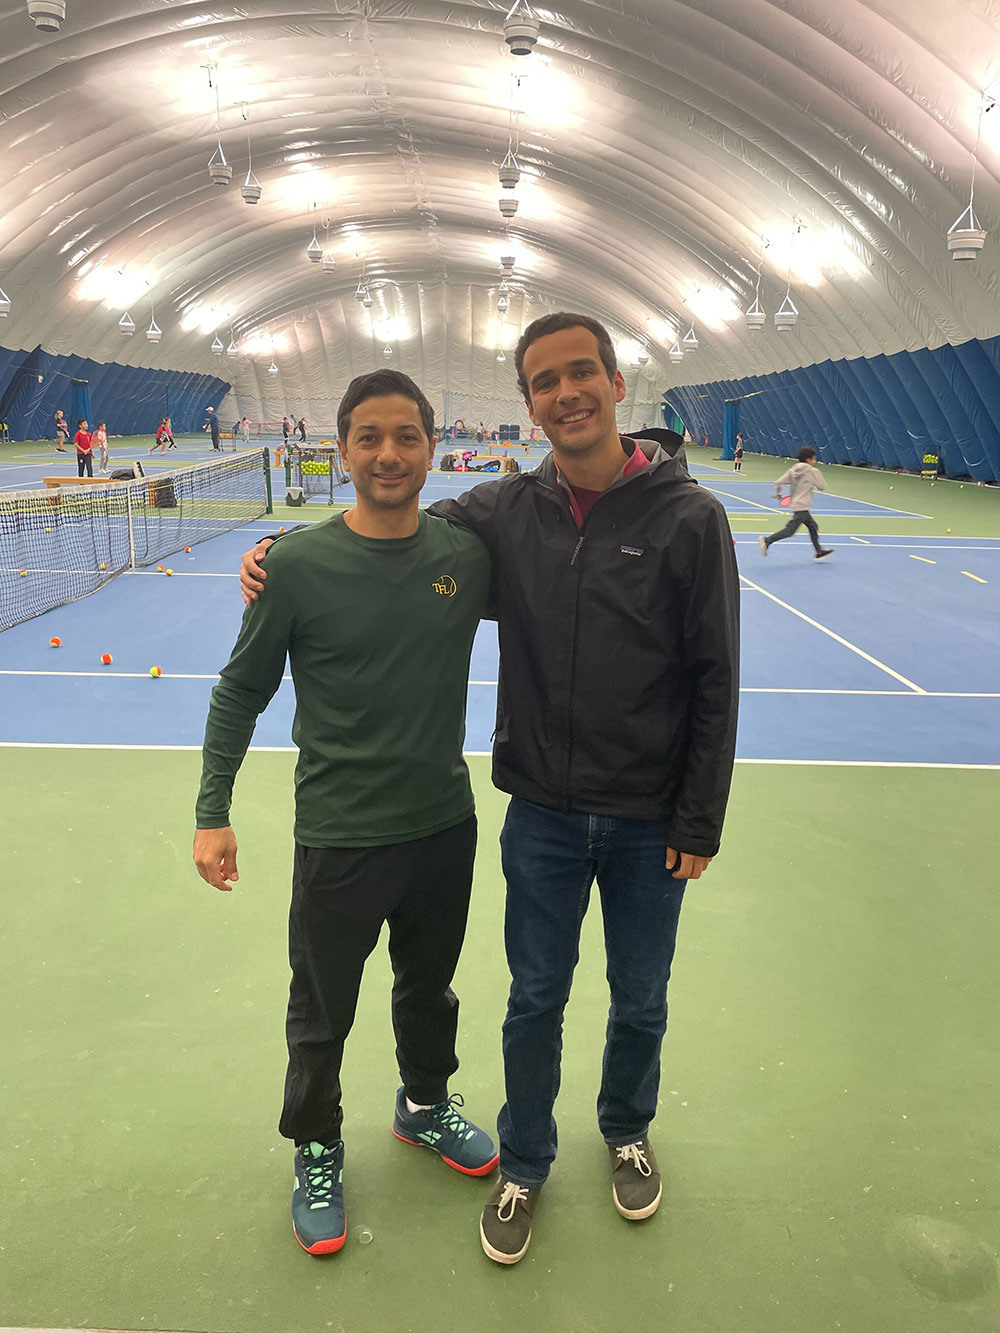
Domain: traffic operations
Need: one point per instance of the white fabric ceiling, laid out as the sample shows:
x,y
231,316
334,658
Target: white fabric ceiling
x,y
660,140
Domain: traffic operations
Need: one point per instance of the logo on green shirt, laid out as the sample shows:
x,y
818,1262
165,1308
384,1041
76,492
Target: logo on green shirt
x,y
447,587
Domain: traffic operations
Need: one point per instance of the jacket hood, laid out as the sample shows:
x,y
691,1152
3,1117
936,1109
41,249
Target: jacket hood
x,y
663,448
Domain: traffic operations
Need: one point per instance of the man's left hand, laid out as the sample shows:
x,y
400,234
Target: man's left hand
x,y
688,866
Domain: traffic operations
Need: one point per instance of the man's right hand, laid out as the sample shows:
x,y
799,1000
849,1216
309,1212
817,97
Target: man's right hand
x,y
215,857
252,574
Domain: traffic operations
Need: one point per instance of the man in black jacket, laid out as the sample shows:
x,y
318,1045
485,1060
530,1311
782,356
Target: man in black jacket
x,y
617,597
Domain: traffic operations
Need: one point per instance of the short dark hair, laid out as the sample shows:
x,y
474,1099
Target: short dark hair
x,y
80,421
562,319
805,453
381,384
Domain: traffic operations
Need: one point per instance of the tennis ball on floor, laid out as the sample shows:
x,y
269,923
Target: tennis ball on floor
x,y
103,565
947,529
187,550
106,659
23,573
55,643
155,671
168,571
159,569
892,488
48,529
281,529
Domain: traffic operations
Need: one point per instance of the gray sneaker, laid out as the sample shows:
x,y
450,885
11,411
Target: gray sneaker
x,y
635,1180
505,1226
762,543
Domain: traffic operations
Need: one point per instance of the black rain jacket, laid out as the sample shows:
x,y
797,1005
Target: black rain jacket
x,y
619,643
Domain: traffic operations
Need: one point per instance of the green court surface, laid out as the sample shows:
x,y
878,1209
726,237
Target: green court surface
x,y
828,1120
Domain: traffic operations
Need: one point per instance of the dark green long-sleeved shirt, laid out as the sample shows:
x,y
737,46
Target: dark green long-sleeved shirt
x,y
379,636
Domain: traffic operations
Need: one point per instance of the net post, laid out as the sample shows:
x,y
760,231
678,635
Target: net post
x,y
131,532
267,480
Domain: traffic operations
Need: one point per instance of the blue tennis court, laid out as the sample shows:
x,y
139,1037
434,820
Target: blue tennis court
x,y
885,654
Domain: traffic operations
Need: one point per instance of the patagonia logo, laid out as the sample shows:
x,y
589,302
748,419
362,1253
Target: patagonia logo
x,y
446,586
632,550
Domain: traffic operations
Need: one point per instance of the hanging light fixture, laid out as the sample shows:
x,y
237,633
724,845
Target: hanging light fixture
x,y
232,351
219,170
360,292
510,170
125,325
521,28
500,356
755,317
643,358
329,264
503,304
387,351
217,346
507,263
47,15
154,333
508,206
965,236
787,316
676,352
314,251
4,304
690,340
367,300
251,187
272,368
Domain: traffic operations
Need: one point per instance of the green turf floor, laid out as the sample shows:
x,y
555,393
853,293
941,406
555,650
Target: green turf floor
x,y
830,1077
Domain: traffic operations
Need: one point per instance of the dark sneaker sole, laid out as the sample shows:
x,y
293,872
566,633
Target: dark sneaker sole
x,y
637,1214
500,1256
322,1246
491,1165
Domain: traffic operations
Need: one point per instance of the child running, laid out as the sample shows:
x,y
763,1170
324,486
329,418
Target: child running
x,y
99,440
162,437
802,478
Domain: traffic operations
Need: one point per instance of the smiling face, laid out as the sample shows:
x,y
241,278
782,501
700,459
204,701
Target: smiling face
x,y
571,396
387,451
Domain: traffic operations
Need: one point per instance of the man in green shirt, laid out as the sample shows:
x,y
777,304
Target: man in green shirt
x,y
376,610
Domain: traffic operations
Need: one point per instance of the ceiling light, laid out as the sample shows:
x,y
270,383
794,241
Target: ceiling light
x,y
367,300
251,189
786,316
510,171
503,303
4,304
508,207
755,317
272,368
329,261
232,350
521,28
125,326
691,340
387,351
965,236
676,352
217,346
218,168
643,357
314,251
154,333
47,15
500,356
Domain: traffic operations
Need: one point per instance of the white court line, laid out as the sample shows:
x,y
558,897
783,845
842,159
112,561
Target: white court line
x,y
485,754
945,545
830,633
770,509
491,684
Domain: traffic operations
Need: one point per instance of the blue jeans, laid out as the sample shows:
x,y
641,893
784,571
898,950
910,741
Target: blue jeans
x,y
550,861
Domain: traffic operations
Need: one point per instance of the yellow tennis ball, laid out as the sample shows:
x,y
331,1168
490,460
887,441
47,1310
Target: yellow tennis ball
x,y
23,573
168,571
947,529
155,671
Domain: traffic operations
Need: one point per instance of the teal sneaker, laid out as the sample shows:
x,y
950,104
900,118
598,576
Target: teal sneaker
x,y
456,1140
318,1217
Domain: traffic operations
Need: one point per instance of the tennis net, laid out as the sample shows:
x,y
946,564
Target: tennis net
x,y
61,544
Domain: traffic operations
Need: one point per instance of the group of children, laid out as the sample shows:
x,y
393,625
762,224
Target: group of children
x,y
86,443
164,437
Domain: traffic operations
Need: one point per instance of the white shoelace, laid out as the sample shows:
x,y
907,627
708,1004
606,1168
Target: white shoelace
x,y
634,1154
511,1197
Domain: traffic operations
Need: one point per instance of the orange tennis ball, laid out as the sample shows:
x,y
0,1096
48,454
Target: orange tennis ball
x,y
281,529
159,569
947,529
55,643
23,573
155,671
106,659
187,550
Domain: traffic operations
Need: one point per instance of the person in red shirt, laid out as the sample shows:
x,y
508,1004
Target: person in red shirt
x,y
84,450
